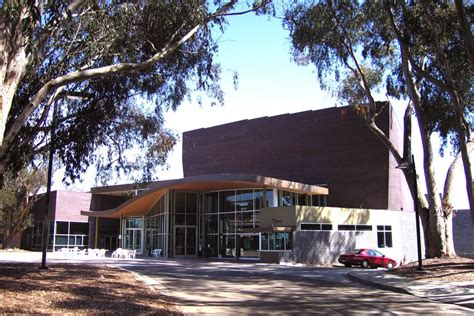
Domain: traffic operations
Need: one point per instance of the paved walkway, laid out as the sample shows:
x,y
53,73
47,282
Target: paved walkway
x,y
459,293
210,286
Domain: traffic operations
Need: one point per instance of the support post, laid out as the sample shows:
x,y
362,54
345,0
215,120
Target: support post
x,y
417,214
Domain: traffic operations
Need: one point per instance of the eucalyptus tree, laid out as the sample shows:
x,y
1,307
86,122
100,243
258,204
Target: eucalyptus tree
x,y
363,45
90,60
17,197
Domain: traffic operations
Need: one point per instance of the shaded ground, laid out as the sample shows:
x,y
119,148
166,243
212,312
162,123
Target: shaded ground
x,y
71,288
455,269
227,287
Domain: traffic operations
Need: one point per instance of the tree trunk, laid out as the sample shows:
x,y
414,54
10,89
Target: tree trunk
x,y
13,62
437,226
450,251
435,243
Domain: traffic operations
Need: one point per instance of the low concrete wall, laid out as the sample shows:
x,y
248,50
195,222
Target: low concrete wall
x,y
463,234
324,247
287,256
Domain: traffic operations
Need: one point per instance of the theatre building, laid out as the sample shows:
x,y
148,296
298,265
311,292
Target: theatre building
x,y
250,217
300,187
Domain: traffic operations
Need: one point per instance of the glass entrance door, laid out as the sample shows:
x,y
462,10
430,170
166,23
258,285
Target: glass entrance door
x,y
110,242
133,234
190,241
133,239
185,241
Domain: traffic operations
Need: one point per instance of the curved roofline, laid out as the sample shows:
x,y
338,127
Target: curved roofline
x,y
142,203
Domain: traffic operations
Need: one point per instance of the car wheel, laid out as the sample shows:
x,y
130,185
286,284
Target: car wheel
x,y
390,265
347,265
365,264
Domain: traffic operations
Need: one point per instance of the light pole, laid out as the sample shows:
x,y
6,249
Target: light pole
x,y
45,237
411,165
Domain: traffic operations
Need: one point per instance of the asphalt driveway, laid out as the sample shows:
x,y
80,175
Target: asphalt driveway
x,y
217,287
201,286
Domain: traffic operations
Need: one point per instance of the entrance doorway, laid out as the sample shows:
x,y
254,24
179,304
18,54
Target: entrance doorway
x,y
133,238
110,243
185,241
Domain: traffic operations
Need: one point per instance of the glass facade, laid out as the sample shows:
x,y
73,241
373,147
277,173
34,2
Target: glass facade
x,y
62,234
133,234
36,235
212,224
287,198
185,223
156,228
277,241
228,220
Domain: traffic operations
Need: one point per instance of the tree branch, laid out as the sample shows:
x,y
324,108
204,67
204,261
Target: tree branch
x,y
465,30
87,74
407,131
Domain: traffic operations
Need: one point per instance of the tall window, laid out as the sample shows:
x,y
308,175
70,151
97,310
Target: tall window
x,y
384,236
36,235
156,223
133,233
287,198
185,209
231,213
276,241
70,234
318,200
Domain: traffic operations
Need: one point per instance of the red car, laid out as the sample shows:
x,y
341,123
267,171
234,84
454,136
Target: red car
x,y
367,258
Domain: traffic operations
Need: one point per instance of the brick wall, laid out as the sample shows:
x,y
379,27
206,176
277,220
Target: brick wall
x,y
68,206
330,146
64,206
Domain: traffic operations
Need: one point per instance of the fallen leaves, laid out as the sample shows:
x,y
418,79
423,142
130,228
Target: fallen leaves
x,y
452,269
70,288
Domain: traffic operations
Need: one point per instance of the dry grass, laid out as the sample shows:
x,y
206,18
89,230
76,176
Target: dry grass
x,y
73,289
455,269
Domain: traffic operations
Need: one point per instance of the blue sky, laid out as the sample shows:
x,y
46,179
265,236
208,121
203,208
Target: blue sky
x,y
270,83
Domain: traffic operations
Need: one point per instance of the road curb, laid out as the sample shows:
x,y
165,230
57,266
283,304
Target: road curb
x,y
381,286
148,281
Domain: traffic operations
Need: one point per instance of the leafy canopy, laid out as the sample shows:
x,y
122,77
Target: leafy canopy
x,y
356,54
100,118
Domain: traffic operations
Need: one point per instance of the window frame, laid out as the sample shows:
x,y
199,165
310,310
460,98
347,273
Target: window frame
x,y
384,236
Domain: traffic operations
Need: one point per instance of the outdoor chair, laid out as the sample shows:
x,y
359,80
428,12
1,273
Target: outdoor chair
x,y
156,253
117,253
64,251
131,254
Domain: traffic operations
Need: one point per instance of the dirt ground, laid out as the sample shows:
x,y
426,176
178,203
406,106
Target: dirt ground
x,y
455,269
77,289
